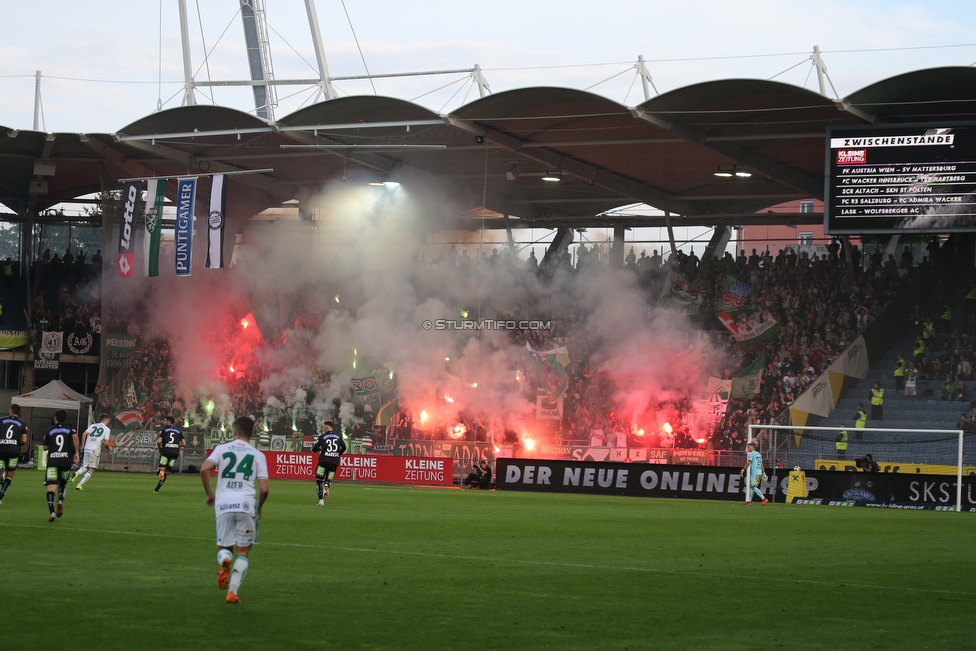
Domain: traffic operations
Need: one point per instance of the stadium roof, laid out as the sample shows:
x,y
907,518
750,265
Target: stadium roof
x,y
492,153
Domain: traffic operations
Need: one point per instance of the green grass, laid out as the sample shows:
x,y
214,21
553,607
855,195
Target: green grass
x,y
384,567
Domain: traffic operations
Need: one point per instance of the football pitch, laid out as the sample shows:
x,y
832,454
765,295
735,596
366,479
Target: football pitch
x,y
388,567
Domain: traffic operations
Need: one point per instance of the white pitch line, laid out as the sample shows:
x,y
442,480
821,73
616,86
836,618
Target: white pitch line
x,y
502,561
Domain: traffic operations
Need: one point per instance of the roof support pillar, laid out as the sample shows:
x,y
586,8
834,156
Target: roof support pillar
x,y
667,220
188,97
325,83
717,245
617,248
560,244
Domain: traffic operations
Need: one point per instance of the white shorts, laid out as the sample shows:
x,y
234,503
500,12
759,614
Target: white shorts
x,y
91,459
236,528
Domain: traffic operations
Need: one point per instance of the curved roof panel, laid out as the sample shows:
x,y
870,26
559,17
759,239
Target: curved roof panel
x,y
201,117
923,95
357,109
493,152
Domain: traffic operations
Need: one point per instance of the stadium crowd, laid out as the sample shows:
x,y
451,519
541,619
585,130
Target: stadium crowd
x,y
822,303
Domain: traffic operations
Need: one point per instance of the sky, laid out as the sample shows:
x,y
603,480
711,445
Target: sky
x,y
107,63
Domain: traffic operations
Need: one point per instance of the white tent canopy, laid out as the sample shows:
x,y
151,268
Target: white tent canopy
x,y
53,395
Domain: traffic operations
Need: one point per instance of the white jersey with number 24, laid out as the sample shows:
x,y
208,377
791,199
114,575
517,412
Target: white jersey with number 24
x,y
239,466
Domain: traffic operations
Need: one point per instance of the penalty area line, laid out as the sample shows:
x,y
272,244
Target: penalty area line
x,y
503,561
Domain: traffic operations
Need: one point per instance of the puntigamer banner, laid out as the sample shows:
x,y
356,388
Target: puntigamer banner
x,y
881,490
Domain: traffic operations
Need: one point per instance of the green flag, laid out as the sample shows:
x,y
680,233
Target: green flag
x,y
747,382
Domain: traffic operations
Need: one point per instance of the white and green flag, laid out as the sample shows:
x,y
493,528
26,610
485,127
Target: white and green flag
x,y
155,196
215,221
748,381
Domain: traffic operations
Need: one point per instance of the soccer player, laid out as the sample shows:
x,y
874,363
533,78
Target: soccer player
x,y
169,442
61,443
754,466
330,447
239,465
13,435
91,441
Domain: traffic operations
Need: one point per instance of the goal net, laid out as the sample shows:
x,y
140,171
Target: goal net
x,y
905,451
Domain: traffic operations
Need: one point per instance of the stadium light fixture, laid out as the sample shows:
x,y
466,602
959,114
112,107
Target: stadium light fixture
x,y
552,176
730,171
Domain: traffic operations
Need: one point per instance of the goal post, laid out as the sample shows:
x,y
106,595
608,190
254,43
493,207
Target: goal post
x,y
895,450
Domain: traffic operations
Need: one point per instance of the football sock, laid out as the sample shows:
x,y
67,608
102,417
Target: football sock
x,y
85,478
5,488
162,479
62,487
237,573
50,501
318,488
759,493
224,555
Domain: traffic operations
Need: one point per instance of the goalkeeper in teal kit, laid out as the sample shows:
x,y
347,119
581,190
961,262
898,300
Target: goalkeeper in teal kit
x,y
754,466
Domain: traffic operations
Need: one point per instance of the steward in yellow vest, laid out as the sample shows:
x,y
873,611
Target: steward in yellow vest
x,y
877,401
900,373
861,419
841,443
919,349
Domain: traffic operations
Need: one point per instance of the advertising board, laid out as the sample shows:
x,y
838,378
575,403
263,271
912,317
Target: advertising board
x,y
879,490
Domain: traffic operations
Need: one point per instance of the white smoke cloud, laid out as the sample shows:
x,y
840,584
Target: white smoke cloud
x,y
357,274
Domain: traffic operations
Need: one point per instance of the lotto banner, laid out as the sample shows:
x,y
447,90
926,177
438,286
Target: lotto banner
x,y
361,467
126,263
186,191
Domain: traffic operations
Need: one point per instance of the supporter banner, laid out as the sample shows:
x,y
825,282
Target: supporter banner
x,y
823,395
734,296
748,381
817,399
546,408
12,339
463,452
365,385
551,366
49,352
186,190
135,445
155,197
126,262
891,490
119,348
130,418
641,455
80,345
680,295
750,328
215,222
716,400
355,467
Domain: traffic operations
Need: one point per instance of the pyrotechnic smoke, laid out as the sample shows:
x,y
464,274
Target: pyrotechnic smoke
x,y
357,275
